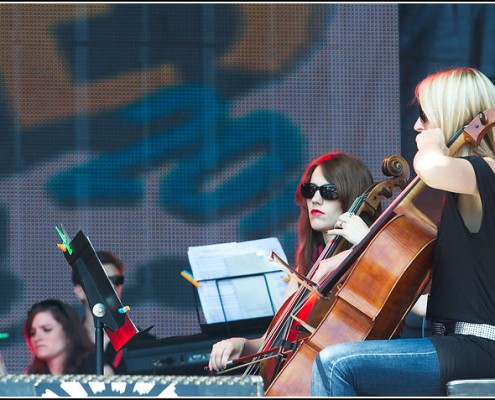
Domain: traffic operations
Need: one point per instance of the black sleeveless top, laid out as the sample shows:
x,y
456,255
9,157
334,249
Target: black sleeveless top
x,y
463,283
463,280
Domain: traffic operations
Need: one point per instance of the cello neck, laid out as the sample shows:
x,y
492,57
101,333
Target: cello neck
x,y
405,198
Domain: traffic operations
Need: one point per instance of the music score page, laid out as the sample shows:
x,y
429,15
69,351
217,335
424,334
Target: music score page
x,y
237,280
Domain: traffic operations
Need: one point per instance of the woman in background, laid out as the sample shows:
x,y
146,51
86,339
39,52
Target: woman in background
x,y
58,341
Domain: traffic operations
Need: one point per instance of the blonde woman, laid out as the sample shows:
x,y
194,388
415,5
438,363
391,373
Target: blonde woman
x,y
461,304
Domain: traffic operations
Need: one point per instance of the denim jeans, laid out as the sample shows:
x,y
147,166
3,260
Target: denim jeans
x,y
396,367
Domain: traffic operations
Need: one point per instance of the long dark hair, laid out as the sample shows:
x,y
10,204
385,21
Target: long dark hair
x,y
351,177
79,345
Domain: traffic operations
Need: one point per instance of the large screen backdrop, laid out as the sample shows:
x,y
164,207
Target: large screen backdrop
x,y
155,127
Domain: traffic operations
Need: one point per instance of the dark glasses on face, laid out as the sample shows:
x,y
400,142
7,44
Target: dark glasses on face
x,y
116,280
327,191
422,116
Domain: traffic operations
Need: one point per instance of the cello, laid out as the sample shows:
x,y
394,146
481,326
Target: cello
x,y
376,285
287,325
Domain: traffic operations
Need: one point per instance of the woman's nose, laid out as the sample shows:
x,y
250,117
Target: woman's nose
x,y
317,198
418,125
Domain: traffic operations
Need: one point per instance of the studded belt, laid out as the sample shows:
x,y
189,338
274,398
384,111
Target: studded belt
x,y
464,328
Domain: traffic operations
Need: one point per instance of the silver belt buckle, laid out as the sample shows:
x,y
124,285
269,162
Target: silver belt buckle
x,y
438,328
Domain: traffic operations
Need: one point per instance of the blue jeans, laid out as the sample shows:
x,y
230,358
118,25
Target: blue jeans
x,y
396,367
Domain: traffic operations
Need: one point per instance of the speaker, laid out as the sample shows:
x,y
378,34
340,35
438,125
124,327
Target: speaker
x,y
31,385
471,387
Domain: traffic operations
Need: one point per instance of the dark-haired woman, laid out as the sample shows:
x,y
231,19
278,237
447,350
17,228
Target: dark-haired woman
x,y
56,337
327,189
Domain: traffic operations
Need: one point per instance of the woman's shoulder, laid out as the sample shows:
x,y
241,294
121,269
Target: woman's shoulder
x,y
491,163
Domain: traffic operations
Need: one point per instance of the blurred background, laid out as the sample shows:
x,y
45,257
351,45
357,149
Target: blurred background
x,y
156,127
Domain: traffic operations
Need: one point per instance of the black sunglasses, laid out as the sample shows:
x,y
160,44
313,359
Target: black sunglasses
x,y
327,191
422,116
116,280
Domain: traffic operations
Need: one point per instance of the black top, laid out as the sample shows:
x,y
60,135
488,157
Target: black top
x,y
88,366
111,357
463,282
463,279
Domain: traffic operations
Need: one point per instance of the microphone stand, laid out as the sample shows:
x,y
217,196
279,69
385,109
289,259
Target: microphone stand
x,y
98,313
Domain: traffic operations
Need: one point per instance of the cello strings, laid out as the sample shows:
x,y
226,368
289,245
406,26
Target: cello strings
x,y
282,327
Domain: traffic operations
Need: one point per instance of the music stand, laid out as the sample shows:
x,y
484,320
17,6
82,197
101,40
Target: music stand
x,y
108,312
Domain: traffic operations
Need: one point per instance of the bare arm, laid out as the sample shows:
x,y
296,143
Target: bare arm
x,y
108,370
230,349
439,170
419,308
328,265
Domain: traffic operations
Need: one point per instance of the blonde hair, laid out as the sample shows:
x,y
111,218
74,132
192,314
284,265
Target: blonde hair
x,y
453,98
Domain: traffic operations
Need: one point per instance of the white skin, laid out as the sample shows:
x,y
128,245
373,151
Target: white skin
x,y
110,270
327,217
438,170
48,341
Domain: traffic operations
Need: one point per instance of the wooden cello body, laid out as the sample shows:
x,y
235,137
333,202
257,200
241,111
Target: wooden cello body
x,y
288,326
386,273
383,283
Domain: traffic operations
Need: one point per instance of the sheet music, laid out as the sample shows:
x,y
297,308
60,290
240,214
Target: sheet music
x,y
244,297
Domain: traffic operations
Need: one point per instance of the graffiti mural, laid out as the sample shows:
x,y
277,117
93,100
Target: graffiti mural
x,y
155,127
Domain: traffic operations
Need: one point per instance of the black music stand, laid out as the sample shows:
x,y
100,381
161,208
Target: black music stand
x,y
108,312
